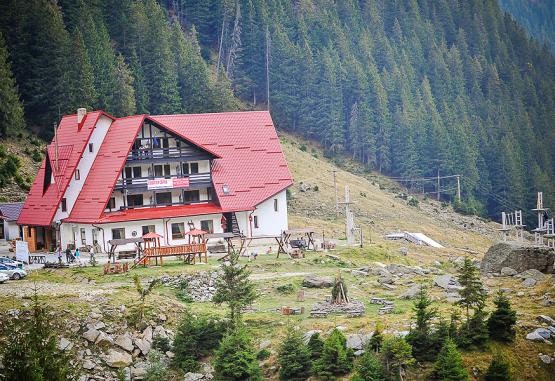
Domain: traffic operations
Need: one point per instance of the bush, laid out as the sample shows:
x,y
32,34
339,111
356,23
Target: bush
x,y
263,354
315,346
303,147
501,323
414,202
156,370
285,288
235,359
182,293
397,355
161,343
196,337
449,365
336,359
368,368
294,358
376,341
36,156
499,369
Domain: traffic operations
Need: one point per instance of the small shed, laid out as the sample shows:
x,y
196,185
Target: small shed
x,y
9,213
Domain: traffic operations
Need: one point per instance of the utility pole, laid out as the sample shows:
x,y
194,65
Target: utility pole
x,y
268,67
438,194
459,188
336,199
56,145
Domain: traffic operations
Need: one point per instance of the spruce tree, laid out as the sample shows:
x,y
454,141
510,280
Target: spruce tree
x,y
30,348
82,76
449,365
234,288
499,369
294,357
123,103
315,346
368,368
335,359
11,110
376,341
420,337
235,359
502,321
397,356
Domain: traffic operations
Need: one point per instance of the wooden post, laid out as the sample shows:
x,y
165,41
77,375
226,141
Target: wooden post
x,y
459,188
336,198
438,194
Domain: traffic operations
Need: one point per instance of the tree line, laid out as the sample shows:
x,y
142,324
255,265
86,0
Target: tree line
x,y
408,88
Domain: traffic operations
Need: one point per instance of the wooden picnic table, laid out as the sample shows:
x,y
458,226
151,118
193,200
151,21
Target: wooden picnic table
x,y
305,232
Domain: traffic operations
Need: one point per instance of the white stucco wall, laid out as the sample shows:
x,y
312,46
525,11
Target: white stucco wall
x,y
11,230
84,166
271,222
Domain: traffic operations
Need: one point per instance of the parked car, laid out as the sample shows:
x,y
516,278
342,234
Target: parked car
x,y
13,272
3,278
10,262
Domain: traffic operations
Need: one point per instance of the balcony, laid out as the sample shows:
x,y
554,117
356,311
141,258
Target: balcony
x,y
152,155
155,205
196,181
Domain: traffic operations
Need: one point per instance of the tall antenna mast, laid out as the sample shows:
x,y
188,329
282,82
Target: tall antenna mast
x,y
268,67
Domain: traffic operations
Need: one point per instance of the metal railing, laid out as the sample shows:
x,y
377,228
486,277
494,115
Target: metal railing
x,y
195,179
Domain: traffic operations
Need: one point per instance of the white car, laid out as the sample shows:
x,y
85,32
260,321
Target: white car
x,y
10,262
3,278
13,272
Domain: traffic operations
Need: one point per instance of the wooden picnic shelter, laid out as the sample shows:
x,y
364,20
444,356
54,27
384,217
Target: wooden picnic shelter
x,y
114,243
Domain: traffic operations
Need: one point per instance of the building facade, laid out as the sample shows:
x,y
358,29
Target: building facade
x,y
109,178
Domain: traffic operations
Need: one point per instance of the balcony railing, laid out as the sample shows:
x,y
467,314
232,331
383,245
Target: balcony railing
x,y
196,181
164,153
154,205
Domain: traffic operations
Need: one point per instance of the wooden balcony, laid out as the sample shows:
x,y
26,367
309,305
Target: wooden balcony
x,y
196,181
155,155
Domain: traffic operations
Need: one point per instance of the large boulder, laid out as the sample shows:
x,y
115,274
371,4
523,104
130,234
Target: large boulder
x,y
313,281
118,359
518,257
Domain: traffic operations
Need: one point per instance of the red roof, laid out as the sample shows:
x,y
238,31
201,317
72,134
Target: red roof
x,y
252,164
248,160
40,208
159,213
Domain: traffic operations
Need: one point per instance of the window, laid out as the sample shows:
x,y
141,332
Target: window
x,y
275,204
91,147
77,175
178,230
137,172
135,200
207,226
118,233
164,198
83,237
162,170
256,222
111,203
64,205
149,229
191,196
190,168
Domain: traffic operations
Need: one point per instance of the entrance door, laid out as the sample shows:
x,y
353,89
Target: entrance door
x,y
2,236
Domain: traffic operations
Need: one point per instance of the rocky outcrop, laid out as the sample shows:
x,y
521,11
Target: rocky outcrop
x,y
518,257
313,281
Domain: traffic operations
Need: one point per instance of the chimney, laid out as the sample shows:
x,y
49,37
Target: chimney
x,y
81,112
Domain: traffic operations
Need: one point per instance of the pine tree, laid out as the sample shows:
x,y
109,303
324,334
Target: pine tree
x,y
30,350
499,369
82,75
421,338
315,346
294,357
397,356
449,365
11,110
335,359
502,321
376,341
235,359
472,294
124,94
234,288
368,368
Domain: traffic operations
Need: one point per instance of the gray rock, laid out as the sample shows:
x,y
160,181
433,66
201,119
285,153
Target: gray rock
x,y
386,279
125,342
88,364
265,344
539,334
99,325
552,330
313,281
103,340
91,335
144,345
411,293
193,376
310,333
159,331
65,344
359,273
452,297
359,353
546,359
530,282
357,341
531,273
546,319
147,333
447,282
118,359
138,372
508,271
518,257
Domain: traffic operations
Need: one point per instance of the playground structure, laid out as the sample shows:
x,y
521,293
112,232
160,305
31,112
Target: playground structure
x,y
512,221
153,249
544,233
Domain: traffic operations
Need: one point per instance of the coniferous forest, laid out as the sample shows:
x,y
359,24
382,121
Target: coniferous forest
x,y
410,88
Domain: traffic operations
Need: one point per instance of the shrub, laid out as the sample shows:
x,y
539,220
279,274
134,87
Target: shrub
x,y
315,188
501,323
182,293
196,337
263,354
397,356
449,365
294,358
30,348
315,346
499,369
368,368
36,156
161,343
303,147
414,202
156,370
335,359
285,288
376,341
235,359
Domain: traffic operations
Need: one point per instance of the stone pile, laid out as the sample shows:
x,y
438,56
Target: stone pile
x,y
201,286
352,309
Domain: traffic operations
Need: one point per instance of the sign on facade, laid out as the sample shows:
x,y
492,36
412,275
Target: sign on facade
x,y
168,183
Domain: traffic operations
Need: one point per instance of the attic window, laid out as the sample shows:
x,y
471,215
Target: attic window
x,y
225,189
47,174
77,175
64,205
91,147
